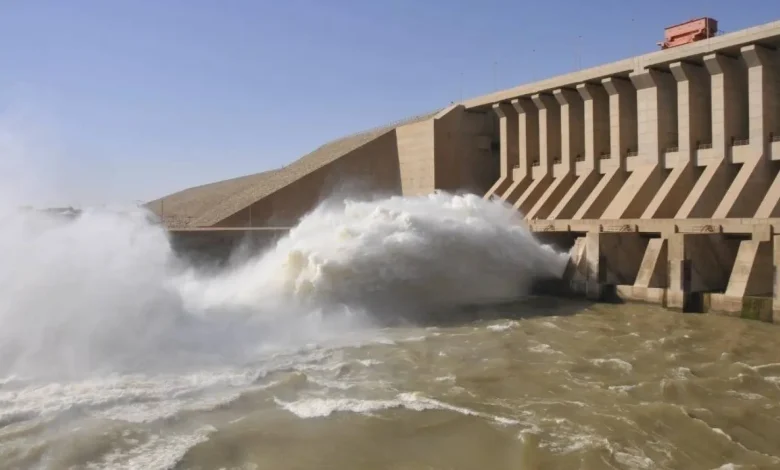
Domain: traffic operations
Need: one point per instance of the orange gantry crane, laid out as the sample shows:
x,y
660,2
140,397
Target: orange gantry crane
x,y
688,32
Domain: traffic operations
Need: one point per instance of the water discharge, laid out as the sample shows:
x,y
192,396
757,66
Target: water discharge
x,y
397,256
116,353
104,290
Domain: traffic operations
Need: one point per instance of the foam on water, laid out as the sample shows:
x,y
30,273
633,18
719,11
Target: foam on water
x,y
100,315
503,326
322,407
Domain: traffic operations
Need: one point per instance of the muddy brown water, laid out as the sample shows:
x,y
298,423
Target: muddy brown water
x,y
607,387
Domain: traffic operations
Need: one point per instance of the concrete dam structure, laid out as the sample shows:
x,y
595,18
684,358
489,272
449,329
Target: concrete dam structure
x,y
661,173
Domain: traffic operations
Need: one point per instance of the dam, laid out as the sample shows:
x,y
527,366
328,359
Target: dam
x,y
367,307
659,172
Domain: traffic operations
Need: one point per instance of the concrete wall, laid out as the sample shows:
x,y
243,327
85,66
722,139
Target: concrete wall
x,y
416,158
694,131
372,168
450,151
464,160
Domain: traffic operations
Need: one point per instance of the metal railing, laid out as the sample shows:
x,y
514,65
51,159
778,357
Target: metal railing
x,y
536,163
672,149
557,160
605,156
632,153
703,146
736,142
579,158
773,137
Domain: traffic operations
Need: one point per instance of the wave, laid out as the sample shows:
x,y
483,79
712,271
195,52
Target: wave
x,y
323,407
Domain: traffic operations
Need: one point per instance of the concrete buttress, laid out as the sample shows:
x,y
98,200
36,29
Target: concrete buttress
x,y
692,126
654,98
508,142
549,149
596,143
622,136
754,178
528,145
572,144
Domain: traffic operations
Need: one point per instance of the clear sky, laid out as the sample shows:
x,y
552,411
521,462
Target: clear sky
x,y
116,101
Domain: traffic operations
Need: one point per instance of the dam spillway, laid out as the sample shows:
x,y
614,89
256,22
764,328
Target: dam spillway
x,y
659,172
663,168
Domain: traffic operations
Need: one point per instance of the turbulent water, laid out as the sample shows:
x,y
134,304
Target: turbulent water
x,y
114,353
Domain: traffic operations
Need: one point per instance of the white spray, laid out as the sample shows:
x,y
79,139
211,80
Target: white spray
x,y
104,291
416,253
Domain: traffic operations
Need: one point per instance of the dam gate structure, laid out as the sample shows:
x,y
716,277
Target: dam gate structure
x,y
661,172
664,171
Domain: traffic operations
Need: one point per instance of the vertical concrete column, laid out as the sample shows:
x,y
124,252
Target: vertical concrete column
x,y
656,95
572,126
622,118
693,106
678,274
528,148
726,102
528,133
646,175
568,141
508,138
549,129
596,114
594,141
745,118
762,93
690,107
595,269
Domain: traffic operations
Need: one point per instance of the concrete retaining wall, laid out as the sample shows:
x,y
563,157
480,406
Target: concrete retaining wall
x,y
732,274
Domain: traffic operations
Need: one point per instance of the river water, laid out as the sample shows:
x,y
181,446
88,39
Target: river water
x,y
115,354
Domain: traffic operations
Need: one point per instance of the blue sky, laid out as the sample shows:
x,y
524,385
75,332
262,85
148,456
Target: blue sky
x,y
129,100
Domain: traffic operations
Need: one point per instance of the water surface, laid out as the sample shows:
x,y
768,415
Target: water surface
x,y
612,386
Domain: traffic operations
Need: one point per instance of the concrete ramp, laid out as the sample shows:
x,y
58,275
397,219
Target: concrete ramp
x,y
598,200
752,272
652,279
498,188
516,190
652,271
670,196
551,197
746,191
282,196
579,191
532,194
770,206
636,193
707,192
